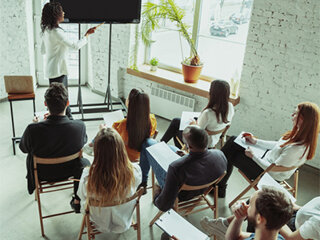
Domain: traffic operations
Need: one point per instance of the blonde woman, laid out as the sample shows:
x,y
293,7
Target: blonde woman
x,y
111,177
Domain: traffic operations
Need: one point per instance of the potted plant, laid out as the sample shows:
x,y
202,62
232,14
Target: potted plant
x,y
154,64
167,9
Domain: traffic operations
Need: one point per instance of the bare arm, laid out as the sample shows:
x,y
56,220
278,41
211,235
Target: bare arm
x,y
289,235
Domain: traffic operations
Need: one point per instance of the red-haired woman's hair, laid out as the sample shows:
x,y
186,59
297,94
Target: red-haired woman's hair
x,y
307,133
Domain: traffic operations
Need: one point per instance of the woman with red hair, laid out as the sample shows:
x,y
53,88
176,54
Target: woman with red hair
x,y
293,149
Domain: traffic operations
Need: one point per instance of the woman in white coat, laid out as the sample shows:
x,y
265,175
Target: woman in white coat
x,y
55,44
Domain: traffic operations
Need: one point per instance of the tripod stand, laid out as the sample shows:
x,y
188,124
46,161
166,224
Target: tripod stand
x,y
107,105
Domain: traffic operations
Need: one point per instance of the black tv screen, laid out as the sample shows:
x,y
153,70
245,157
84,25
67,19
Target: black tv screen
x,y
96,11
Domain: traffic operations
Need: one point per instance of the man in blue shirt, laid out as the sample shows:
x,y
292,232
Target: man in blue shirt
x,y
268,211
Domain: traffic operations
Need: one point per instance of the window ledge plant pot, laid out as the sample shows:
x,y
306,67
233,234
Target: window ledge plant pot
x,y
191,73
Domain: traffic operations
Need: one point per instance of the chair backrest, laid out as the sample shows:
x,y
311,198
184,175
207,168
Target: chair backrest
x,y
58,160
210,133
186,187
18,84
95,203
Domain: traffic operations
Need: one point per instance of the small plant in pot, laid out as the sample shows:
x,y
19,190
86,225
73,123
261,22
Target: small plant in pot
x,y
167,9
154,62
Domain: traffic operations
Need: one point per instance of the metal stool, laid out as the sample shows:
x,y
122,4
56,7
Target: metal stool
x,y
19,88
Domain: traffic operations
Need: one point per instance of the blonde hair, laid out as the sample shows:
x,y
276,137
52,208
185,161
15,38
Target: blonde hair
x,y
111,174
307,133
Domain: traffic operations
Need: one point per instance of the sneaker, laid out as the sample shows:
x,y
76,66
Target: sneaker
x,y
88,150
75,206
144,185
214,227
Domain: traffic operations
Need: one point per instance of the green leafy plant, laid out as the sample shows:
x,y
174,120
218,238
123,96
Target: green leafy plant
x,y
167,9
154,61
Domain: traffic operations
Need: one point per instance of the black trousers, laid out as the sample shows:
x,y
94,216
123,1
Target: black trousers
x,y
63,79
236,157
59,172
173,132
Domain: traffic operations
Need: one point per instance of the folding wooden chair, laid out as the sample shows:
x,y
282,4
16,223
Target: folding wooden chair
x,y
274,168
46,187
92,230
188,207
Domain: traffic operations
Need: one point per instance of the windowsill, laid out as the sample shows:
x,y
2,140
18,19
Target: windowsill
x,y
175,80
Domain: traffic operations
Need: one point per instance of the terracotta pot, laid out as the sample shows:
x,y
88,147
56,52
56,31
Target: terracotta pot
x,y
191,73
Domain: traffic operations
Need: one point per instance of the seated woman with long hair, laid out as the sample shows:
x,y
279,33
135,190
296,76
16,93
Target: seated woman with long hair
x,y
214,117
138,126
111,177
292,150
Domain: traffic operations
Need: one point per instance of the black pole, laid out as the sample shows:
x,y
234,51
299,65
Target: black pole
x,y
108,93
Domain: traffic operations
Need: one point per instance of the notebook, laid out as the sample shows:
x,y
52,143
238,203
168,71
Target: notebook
x,y
18,84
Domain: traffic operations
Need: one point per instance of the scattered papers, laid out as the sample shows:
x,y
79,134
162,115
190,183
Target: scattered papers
x,y
163,154
267,180
257,151
187,118
111,117
175,225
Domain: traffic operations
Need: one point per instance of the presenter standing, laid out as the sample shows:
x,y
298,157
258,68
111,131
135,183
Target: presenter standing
x,y
55,44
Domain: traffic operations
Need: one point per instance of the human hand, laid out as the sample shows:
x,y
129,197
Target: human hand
x,y
102,125
45,116
249,138
248,152
240,210
193,122
35,119
90,31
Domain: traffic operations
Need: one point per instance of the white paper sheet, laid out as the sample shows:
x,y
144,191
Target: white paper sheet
x,y
111,117
187,118
258,151
175,225
267,180
163,154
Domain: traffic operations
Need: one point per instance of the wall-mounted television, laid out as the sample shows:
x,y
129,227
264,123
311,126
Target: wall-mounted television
x,y
96,11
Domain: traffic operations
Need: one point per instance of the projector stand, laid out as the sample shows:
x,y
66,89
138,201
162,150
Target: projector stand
x,y
94,107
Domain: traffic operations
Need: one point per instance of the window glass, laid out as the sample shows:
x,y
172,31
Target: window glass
x,y
167,47
222,34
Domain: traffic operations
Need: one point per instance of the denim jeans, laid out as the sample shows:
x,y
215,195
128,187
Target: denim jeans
x,y
146,160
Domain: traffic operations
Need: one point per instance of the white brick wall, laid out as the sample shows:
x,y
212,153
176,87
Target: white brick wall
x,y
16,43
99,44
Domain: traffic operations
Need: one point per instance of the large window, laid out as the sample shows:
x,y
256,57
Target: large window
x,y
220,27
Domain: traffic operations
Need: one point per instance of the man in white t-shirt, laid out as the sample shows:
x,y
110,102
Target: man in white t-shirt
x,y
307,222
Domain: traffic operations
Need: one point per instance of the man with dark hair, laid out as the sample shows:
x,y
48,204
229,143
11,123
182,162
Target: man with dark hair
x,y
57,136
199,167
268,211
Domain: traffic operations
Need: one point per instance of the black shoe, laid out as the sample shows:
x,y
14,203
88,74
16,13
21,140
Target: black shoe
x,y
144,185
222,191
75,206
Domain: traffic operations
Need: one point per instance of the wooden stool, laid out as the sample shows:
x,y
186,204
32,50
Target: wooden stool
x,y
19,88
19,97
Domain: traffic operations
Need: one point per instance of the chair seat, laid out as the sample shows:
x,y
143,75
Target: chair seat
x,y
21,96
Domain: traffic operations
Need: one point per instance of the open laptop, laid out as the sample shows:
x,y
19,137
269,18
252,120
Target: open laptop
x,y
18,84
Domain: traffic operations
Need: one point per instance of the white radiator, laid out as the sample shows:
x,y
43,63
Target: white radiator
x,y
168,104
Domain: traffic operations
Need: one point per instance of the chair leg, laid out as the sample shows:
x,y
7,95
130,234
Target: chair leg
x,y
88,227
296,178
40,211
155,218
153,183
82,227
138,221
216,202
